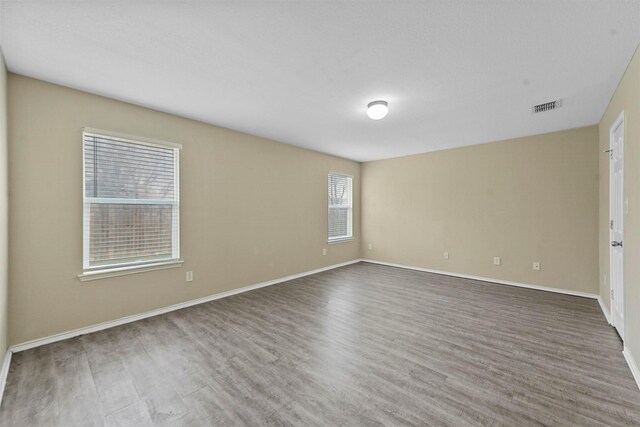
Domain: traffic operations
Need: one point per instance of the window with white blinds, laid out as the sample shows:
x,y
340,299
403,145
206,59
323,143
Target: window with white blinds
x,y
131,201
340,207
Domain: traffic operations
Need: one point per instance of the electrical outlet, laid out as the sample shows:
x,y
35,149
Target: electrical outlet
x,y
496,260
189,276
536,266
370,246
446,255
324,251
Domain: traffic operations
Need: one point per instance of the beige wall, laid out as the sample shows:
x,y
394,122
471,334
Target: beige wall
x,y
4,211
627,99
525,200
251,210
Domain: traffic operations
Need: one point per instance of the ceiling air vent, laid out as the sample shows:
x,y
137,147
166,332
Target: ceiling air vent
x,y
547,106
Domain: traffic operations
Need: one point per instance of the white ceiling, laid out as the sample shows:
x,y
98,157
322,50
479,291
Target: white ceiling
x,y
455,73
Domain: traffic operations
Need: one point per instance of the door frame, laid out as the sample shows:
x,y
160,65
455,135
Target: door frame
x,y
619,120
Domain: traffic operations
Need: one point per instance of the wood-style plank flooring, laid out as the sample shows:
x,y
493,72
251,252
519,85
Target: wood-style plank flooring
x,y
359,345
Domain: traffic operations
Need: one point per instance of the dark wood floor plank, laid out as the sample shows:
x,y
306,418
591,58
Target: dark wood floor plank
x,y
76,395
30,391
113,382
360,345
131,416
151,377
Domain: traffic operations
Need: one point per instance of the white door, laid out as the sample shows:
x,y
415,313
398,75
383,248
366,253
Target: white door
x,y
616,206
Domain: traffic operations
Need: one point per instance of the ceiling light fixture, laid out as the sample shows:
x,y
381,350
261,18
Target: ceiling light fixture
x,y
377,110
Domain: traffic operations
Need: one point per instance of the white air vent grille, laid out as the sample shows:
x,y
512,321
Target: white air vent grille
x,y
547,106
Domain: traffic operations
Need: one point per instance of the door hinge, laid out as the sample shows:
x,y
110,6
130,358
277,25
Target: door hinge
x,y
612,294
611,224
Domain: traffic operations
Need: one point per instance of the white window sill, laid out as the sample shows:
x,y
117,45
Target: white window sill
x,y
340,240
122,271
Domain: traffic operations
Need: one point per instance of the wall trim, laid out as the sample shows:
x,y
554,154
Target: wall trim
x,y
128,319
604,309
488,279
635,369
4,372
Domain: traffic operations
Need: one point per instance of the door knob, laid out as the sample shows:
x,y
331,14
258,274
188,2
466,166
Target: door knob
x,y
614,243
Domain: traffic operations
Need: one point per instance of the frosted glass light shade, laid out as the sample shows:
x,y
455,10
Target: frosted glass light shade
x,y
377,110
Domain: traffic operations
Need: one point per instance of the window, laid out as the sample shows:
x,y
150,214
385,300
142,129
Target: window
x,y
131,201
340,207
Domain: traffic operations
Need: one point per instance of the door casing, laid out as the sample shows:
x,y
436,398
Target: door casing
x,y
617,210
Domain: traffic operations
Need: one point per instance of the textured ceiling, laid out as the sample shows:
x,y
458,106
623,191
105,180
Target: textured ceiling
x,y
455,73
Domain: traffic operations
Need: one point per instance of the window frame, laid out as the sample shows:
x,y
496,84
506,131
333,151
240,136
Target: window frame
x,y
129,267
349,237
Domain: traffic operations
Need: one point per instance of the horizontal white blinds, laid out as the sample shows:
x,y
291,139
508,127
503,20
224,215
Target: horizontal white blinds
x,y
125,233
118,169
340,207
131,208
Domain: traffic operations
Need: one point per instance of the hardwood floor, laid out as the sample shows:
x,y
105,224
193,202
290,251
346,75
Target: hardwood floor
x,y
359,345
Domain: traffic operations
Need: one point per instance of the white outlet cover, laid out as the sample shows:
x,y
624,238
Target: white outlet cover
x,y
536,266
496,260
446,255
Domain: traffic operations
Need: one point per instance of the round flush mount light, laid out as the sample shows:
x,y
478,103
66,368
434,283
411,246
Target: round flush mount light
x,y
377,110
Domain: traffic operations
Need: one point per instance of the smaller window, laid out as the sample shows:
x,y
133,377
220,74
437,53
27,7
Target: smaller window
x,y
340,207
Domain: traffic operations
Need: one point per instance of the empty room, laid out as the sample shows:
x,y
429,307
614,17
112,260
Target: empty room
x,y
319,213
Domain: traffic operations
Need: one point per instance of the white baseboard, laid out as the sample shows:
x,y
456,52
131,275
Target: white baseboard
x,y
128,319
605,310
635,369
487,279
4,372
